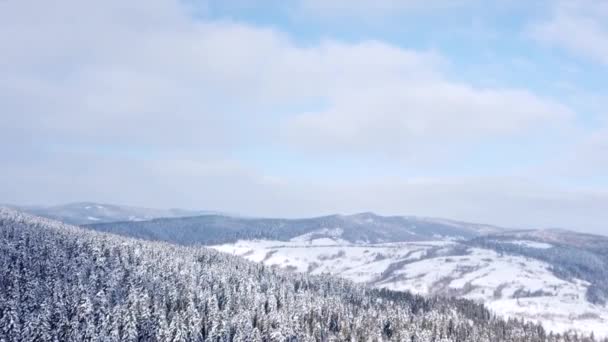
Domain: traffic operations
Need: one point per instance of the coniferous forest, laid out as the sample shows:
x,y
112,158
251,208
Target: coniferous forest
x,y
64,283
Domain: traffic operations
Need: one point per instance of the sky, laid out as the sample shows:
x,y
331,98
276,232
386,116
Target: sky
x,y
493,112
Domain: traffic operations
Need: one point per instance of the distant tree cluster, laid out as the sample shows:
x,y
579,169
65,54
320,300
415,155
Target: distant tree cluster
x,y
62,283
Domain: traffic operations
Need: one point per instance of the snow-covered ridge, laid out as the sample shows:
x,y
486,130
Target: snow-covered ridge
x,y
331,235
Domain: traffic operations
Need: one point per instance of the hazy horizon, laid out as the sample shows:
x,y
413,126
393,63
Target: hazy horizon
x,y
296,217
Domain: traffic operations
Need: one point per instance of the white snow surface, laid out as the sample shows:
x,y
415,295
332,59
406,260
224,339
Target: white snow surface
x,y
511,286
531,244
334,234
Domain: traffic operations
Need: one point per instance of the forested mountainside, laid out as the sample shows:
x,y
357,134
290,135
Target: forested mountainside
x,y
364,227
92,212
63,283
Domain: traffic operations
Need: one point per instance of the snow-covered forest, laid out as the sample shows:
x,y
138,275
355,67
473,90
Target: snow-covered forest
x,y
64,283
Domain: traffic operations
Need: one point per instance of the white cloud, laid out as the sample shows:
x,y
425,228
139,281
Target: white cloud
x,y
414,113
150,73
581,27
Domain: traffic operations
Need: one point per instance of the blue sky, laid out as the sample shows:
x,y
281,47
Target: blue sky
x,y
459,109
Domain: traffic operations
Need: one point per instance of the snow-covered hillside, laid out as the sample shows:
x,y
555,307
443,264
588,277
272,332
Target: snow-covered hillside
x,y
511,285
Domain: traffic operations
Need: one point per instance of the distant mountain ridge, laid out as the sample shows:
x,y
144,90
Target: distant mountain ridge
x,y
357,228
80,213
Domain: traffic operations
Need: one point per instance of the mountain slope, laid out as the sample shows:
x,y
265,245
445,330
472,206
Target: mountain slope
x,y
90,212
64,283
360,228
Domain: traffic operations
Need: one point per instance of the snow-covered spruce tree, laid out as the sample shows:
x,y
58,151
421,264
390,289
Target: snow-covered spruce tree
x,y
63,283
